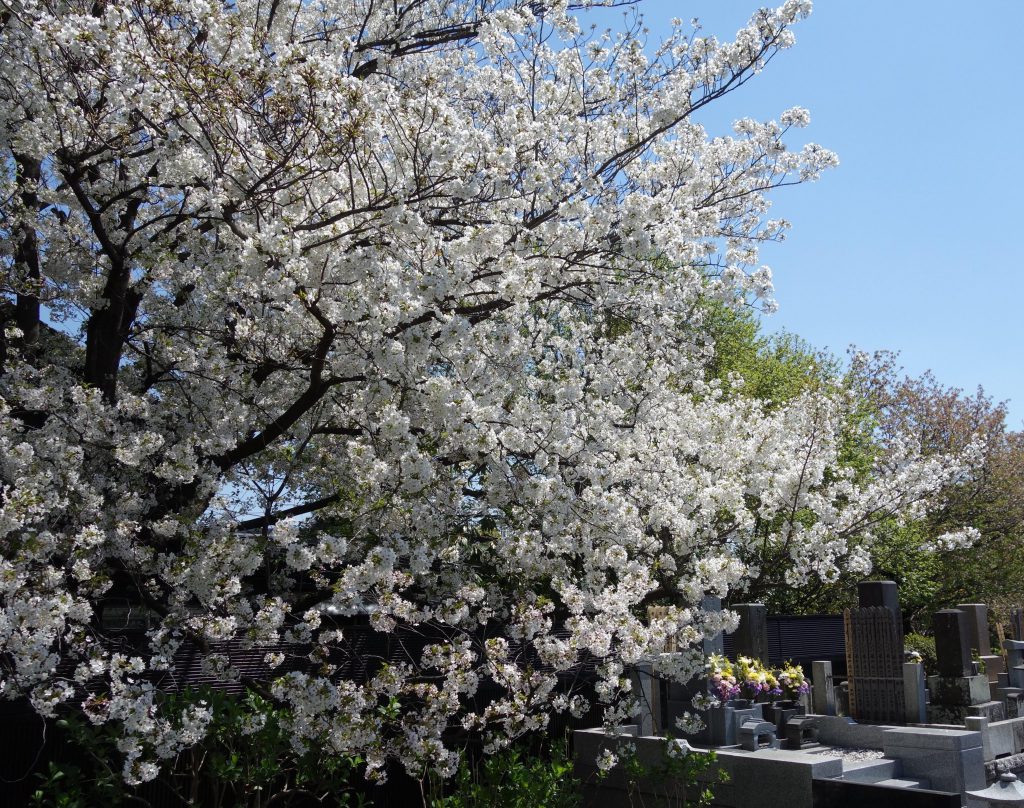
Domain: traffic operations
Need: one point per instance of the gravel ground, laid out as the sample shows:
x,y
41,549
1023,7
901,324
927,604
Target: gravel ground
x,y
847,753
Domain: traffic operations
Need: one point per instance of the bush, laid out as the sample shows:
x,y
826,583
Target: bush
x,y
925,646
245,760
515,777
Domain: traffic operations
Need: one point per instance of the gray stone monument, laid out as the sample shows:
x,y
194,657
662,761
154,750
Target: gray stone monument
x,y
751,638
977,627
823,691
977,632
957,691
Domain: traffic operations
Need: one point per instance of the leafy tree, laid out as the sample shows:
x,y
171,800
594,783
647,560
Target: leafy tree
x,y
987,497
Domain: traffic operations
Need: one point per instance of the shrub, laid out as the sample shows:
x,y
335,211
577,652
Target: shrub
x,y
925,646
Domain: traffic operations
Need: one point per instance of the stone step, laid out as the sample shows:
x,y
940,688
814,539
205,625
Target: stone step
x,y
900,782
871,771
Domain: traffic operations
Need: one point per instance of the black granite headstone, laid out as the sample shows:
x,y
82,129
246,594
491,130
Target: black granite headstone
x,y
751,638
952,643
879,593
977,627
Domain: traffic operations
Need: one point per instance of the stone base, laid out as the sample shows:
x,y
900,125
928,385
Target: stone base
x,y
1014,698
946,714
779,716
801,731
723,723
993,666
992,710
960,691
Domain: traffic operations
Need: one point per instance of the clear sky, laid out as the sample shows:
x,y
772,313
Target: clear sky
x,y
914,242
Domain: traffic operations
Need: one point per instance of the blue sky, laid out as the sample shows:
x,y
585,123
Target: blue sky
x,y
914,242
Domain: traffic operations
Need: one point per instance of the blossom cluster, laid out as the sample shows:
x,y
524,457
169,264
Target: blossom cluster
x,y
316,310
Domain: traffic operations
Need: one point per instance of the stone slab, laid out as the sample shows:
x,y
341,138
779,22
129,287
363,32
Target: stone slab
x,y
928,738
775,777
945,770
844,731
871,771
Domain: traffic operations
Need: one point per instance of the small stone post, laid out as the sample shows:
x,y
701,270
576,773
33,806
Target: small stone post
x,y
823,693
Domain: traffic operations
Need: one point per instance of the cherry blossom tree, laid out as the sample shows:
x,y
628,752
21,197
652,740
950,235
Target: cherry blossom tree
x,y
428,273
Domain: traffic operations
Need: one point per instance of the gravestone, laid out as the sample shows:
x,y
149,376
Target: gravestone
x,y
952,643
874,654
956,689
978,635
751,637
823,691
879,593
1017,623
977,627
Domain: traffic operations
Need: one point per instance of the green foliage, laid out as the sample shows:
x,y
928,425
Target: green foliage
x,y
515,777
245,760
775,368
681,779
67,786
925,646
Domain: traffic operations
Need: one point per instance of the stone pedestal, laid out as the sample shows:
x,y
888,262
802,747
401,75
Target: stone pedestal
x,y
952,760
953,695
994,665
959,690
1013,697
991,710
